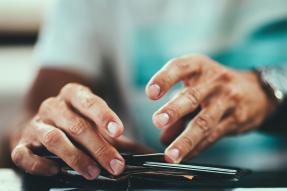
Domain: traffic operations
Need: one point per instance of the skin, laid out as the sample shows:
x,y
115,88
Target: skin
x,y
74,123
69,120
230,101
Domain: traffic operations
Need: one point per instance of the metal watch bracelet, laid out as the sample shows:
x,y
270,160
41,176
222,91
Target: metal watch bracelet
x,y
274,81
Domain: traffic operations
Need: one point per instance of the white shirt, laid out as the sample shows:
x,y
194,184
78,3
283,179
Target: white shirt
x,y
139,37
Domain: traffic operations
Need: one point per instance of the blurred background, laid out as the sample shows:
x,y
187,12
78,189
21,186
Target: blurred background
x,y
19,25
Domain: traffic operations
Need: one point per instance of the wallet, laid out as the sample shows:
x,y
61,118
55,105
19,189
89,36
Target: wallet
x,y
152,168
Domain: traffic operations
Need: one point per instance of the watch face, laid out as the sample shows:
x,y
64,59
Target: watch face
x,y
276,78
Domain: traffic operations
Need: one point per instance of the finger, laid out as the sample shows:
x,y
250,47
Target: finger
x,y
186,101
23,157
93,107
58,143
221,129
195,131
174,71
83,133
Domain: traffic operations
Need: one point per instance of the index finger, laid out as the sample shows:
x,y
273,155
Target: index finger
x,y
195,131
93,107
174,71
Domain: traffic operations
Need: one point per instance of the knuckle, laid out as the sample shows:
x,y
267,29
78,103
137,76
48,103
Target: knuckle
x,y
17,155
47,104
52,137
102,152
62,105
167,80
89,102
187,142
200,58
68,87
76,159
224,75
193,96
181,63
234,94
202,122
173,112
78,126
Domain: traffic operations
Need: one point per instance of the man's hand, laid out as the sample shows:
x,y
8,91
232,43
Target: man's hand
x,y
230,102
77,126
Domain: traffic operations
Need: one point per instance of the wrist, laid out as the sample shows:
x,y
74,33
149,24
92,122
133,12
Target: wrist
x,y
275,79
269,102
273,99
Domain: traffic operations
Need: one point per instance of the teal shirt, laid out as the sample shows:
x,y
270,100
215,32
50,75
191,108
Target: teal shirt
x,y
266,46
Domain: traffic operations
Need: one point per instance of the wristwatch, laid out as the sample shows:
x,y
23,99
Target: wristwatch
x,y
274,81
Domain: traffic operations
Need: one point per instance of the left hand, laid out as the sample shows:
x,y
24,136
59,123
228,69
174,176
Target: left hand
x,y
230,101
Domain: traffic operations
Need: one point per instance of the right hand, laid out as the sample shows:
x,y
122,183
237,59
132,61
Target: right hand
x,y
76,126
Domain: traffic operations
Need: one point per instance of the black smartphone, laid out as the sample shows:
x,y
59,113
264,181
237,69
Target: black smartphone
x,y
153,166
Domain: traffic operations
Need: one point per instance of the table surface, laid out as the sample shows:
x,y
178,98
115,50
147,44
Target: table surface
x,y
14,181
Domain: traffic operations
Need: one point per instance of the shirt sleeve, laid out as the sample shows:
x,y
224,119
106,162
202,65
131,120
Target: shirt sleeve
x,y
69,39
277,77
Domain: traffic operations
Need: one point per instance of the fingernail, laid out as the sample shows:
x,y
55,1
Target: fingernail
x,y
173,154
117,166
154,90
113,128
93,171
162,119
